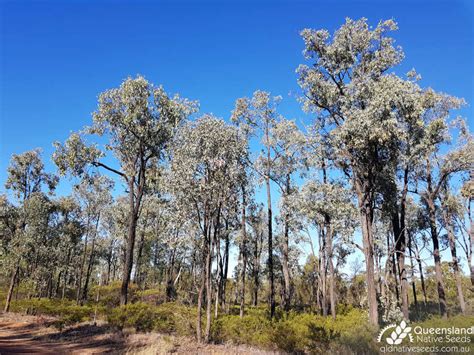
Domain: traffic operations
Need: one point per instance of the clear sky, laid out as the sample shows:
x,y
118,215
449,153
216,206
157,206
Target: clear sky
x,y
56,57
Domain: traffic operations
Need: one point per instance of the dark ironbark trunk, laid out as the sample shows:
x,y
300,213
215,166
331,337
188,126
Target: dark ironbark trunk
x,y
12,286
413,285
244,253
134,205
366,216
285,258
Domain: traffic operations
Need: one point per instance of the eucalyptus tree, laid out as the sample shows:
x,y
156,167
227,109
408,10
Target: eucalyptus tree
x,y
317,202
39,240
114,223
257,116
26,176
9,215
362,107
450,207
206,168
70,230
257,230
434,169
287,142
139,121
93,194
231,223
411,107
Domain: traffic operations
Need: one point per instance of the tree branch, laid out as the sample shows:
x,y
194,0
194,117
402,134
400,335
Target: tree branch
x,y
99,164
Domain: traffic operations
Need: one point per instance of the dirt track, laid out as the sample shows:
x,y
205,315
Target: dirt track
x,y
31,335
36,335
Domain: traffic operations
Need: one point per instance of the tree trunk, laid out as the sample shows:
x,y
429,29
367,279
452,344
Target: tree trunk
x,y
332,291
88,272
12,286
270,249
90,263
328,253
208,288
256,271
109,262
323,303
170,289
413,285
83,262
199,306
226,264
138,272
457,273
244,252
399,233
58,283
285,258
437,258
366,216
270,219
132,227
422,278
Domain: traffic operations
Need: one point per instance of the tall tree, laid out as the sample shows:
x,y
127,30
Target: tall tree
x,y
139,121
288,142
26,177
93,194
320,202
449,208
434,169
257,116
206,169
348,87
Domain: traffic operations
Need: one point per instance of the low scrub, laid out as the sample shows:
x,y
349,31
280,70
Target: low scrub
x,y
109,295
68,312
298,333
143,317
253,329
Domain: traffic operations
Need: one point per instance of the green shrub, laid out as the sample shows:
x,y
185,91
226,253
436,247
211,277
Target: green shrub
x,y
252,329
140,316
303,333
166,318
152,296
298,332
67,311
176,318
109,295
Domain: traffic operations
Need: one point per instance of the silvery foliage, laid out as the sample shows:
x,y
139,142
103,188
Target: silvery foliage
x,y
27,223
137,118
93,194
26,175
257,117
316,199
207,166
360,105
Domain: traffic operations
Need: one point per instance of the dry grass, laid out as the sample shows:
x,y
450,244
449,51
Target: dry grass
x,y
35,334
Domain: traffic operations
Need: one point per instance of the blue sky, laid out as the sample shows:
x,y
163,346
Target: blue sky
x,y
56,57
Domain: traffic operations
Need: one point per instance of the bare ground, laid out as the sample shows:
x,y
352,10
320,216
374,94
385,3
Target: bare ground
x,y
35,335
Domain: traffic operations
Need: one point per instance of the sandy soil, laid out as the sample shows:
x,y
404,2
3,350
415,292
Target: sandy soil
x,y
36,335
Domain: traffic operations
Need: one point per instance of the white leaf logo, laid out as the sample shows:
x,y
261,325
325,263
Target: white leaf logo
x,y
398,334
